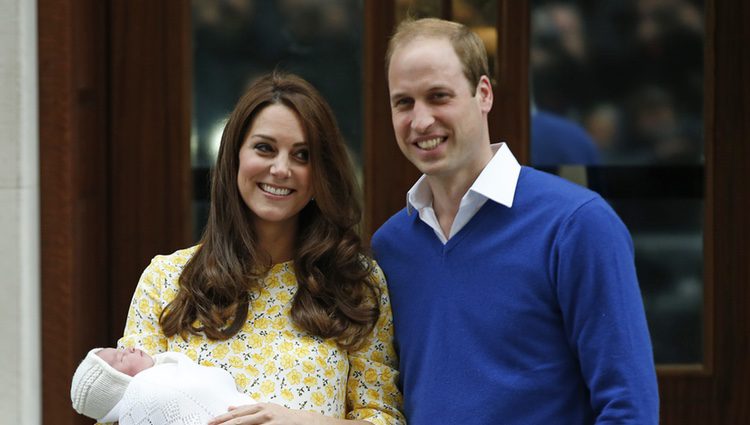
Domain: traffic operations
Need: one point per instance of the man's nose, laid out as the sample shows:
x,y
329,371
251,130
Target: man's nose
x,y
422,119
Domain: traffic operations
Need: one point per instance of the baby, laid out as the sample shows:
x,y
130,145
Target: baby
x,y
129,386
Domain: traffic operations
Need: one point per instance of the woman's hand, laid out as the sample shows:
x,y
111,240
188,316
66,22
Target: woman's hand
x,y
266,414
274,414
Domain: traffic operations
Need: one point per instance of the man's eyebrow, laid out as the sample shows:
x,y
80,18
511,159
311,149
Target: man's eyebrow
x,y
439,87
430,89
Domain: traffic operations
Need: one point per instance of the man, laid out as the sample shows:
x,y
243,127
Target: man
x,y
514,294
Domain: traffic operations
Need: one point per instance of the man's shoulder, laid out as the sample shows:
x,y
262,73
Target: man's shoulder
x,y
394,233
559,200
553,198
395,224
540,185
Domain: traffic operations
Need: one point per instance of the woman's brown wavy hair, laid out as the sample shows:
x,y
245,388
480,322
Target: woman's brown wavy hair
x,y
336,297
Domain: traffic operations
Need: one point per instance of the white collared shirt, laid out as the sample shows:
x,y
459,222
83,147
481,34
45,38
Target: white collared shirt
x,y
496,182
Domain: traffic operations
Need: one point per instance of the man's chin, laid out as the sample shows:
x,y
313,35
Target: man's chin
x,y
431,170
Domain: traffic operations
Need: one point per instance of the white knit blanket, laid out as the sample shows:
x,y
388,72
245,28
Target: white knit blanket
x,y
177,390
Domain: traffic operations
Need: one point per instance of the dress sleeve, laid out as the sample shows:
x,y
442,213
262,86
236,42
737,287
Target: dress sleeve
x,y
372,394
142,326
152,294
603,315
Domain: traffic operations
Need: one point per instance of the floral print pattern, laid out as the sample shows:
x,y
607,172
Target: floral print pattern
x,y
273,360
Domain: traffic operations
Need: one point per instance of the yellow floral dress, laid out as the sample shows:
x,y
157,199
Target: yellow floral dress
x,y
273,360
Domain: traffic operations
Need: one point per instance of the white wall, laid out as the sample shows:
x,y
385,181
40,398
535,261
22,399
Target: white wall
x,y
20,335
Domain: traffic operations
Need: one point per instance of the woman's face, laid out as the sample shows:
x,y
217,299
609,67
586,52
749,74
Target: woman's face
x,y
127,360
274,167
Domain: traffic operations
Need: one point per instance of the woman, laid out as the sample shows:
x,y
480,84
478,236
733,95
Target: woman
x,y
278,291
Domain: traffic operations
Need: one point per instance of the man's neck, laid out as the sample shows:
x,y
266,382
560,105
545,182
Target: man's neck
x,y
446,198
448,190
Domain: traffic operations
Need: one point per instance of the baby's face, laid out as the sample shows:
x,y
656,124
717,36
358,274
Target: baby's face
x,y
127,360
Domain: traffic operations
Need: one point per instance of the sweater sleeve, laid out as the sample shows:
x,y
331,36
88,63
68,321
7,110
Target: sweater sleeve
x,y
603,315
372,394
152,294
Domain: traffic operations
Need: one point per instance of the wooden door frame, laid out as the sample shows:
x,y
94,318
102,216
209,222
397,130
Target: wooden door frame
x,y
114,102
717,390
387,173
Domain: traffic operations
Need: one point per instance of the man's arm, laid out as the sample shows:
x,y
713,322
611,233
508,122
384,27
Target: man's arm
x,y
604,317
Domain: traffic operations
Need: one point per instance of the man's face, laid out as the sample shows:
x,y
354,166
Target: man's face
x,y
439,120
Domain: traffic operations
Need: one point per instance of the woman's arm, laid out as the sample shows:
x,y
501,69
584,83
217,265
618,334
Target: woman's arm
x,y
156,287
372,393
372,397
275,414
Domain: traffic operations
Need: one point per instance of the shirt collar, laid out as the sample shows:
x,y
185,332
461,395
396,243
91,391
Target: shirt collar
x,y
497,181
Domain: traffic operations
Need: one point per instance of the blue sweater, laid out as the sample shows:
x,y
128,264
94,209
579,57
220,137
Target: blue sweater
x,y
528,315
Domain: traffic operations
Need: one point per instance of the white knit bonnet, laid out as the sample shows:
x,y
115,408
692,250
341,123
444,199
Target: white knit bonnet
x,y
96,387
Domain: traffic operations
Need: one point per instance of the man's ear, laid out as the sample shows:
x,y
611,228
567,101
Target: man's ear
x,y
484,94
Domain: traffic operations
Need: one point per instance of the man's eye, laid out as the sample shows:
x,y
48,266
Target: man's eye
x,y
402,103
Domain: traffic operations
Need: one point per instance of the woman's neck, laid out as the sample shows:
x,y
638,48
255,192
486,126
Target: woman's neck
x,y
277,240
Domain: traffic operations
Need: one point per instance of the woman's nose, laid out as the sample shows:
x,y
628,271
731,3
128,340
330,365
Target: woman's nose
x,y
280,168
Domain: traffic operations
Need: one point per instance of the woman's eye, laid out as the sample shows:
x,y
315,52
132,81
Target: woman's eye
x,y
302,155
263,147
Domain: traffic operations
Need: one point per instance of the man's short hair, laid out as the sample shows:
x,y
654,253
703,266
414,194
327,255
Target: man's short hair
x,y
467,44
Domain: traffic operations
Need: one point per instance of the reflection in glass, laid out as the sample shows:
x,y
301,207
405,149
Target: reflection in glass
x,y
669,261
479,15
617,90
235,41
630,73
417,9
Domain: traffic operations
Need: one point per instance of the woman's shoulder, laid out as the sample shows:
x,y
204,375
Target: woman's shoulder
x,y
176,259
165,270
376,273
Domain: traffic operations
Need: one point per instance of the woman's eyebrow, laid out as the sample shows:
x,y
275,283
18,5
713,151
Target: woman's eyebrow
x,y
263,136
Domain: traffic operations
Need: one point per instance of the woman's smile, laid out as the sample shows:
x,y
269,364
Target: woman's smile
x,y
274,170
